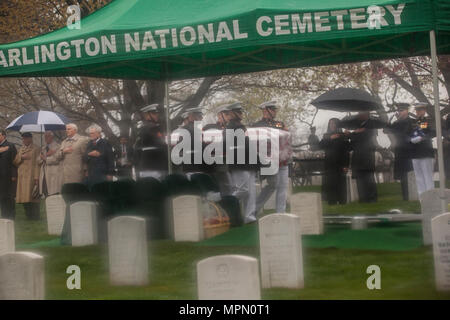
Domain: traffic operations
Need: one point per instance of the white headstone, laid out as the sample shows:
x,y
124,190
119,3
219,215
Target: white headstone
x,y
228,277
258,187
127,244
281,251
83,223
55,207
271,203
290,191
257,192
379,177
7,236
316,180
308,206
22,276
440,229
352,189
412,187
430,203
188,218
359,223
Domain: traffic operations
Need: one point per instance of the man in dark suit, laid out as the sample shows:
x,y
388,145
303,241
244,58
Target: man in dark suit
x,y
363,143
403,147
8,177
99,158
124,156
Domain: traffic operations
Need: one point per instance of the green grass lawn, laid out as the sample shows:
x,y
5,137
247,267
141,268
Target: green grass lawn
x,y
330,273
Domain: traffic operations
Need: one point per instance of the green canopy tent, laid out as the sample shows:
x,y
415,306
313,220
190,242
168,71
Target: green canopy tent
x,y
176,39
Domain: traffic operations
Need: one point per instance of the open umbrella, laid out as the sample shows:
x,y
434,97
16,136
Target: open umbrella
x,y
38,121
348,100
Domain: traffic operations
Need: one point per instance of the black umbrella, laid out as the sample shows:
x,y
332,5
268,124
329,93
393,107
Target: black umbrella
x,y
348,100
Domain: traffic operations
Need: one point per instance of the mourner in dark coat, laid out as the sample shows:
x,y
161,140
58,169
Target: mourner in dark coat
x,y
99,158
402,146
337,148
8,177
363,144
150,149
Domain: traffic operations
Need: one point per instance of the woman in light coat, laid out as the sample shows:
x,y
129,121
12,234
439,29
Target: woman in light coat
x,y
50,178
26,162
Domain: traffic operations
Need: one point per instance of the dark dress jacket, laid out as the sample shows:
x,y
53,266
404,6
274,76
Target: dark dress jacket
x,y
265,122
7,170
150,149
99,167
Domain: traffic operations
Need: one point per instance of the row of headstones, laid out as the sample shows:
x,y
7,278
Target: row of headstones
x,y
223,277
83,219
219,278
237,277
56,208
21,273
188,212
55,205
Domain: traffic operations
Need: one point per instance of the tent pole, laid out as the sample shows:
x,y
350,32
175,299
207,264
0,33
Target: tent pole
x,y
166,100
437,117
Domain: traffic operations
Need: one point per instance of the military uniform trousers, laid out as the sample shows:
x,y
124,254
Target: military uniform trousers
x,y
243,182
423,170
275,183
